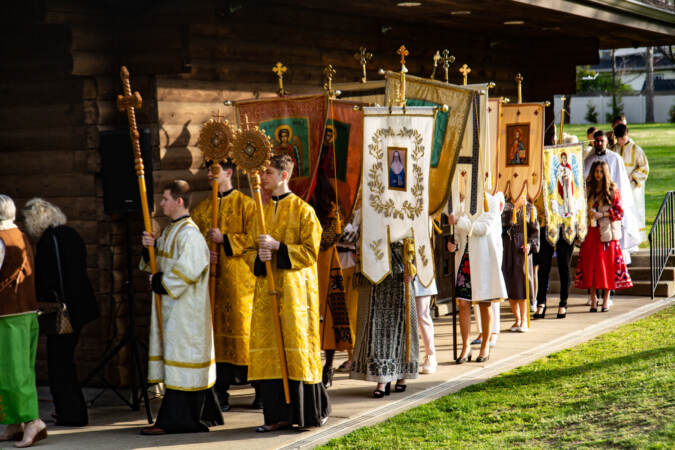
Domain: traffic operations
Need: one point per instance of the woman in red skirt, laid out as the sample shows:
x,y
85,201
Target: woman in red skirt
x,y
601,264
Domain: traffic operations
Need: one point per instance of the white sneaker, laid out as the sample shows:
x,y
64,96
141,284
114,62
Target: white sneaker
x,y
514,328
523,329
429,365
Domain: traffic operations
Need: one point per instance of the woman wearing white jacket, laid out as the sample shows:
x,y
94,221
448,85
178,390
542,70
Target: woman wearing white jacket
x,y
479,276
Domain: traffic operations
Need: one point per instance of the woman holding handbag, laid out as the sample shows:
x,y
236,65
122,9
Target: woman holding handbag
x,y
61,275
601,264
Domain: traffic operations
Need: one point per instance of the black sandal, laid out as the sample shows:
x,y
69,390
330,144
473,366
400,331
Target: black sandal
x,y
377,393
400,387
536,315
274,427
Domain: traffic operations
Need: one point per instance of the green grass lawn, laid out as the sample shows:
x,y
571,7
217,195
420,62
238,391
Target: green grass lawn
x,y
617,390
658,142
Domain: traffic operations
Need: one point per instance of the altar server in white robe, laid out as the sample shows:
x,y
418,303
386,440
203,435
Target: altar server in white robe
x,y
184,360
637,168
617,171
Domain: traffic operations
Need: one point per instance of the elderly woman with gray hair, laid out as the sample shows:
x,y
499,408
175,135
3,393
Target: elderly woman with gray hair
x,y
18,334
46,224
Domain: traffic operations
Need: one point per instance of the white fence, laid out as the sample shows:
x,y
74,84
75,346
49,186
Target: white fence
x,y
633,107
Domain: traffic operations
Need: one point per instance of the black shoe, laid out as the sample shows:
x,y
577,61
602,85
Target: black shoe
x,y
594,309
225,407
400,387
377,393
562,315
463,360
327,376
481,359
540,316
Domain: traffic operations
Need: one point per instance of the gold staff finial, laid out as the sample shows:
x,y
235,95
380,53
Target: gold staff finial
x,y
403,52
465,71
519,82
363,56
329,72
217,116
436,58
562,116
280,70
447,60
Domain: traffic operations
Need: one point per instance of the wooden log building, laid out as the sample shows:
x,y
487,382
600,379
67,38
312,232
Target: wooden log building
x,y
59,79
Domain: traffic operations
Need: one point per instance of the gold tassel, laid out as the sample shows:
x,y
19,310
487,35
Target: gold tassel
x,y
338,223
514,219
485,202
436,227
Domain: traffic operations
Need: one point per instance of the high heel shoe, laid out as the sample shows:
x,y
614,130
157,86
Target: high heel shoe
x,y
461,360
327,376
481,359
561,315
377,393
594,309
540,316
400,387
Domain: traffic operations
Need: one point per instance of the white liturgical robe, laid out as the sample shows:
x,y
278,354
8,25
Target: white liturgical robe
x,y
637,168
185,361
617,170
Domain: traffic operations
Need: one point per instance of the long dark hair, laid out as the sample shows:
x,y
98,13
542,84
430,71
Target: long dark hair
x,y
606,194
323,198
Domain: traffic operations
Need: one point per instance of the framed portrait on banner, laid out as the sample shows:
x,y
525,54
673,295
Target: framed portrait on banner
x,y
397,157
518,144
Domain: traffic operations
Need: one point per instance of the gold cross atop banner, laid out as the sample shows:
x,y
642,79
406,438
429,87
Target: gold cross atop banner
x,y
436,58
280,70
403,52
447,60
329,72
519,81
363,57
465,71
217,116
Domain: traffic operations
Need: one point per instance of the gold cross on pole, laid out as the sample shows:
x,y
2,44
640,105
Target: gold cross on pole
x,y
329,72
363,56
519,82
436,58
217,116
447,60
403,52
465,71
280,70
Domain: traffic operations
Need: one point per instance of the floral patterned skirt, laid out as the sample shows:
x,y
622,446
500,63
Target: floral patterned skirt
x,y
463,282
601,264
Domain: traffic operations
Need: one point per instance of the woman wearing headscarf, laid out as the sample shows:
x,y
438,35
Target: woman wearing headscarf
x,y
18,334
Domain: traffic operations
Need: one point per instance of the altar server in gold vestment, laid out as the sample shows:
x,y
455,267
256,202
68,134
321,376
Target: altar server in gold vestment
x,y
291,245
184,359
234,280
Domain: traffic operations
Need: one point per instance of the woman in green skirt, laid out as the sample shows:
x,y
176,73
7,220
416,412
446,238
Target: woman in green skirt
x,y
18,334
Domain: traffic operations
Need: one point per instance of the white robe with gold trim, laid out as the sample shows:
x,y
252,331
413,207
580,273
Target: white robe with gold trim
x,y
186,360
637,168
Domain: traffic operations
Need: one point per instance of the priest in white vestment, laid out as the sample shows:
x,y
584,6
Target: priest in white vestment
x,y
617,171
637,168
184,360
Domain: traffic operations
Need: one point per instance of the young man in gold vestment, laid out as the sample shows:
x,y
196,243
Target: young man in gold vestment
x,y
291,245
234,280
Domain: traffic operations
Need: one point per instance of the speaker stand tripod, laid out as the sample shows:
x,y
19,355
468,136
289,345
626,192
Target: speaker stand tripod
x,y
137,382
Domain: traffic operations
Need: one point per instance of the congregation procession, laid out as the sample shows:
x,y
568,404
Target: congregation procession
x,y
320,236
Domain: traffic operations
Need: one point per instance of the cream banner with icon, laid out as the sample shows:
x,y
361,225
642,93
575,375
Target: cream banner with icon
x,y
395,187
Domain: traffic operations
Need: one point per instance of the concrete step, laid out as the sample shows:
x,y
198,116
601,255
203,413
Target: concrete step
x,y
639,259
640,288
636,274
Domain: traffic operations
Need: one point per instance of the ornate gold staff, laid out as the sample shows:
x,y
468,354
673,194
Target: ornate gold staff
x,y
403,52
562,117
519,82
409,270
215,141
447,60
465,70
527,274
251,151
130,102
363,57
280,70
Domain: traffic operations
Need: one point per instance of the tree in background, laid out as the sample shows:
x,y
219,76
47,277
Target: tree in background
x,y
649,85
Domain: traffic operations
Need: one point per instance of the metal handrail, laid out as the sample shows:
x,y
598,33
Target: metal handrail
x,y
662,239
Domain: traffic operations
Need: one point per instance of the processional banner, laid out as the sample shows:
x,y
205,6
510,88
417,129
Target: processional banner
x,y
395,183
521,146
472,171
295,125
449,127
564,194
343,144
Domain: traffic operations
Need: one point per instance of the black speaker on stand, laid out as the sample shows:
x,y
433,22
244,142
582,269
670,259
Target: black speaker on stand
x,y
121,196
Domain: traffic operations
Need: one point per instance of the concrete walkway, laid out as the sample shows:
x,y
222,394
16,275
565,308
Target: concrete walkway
x,y
116,427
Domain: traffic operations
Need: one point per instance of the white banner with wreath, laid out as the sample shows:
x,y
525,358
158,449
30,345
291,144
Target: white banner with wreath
x,y
395,184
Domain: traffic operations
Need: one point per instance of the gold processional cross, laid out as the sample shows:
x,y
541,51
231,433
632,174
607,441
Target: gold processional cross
x,y
363,57
436,58
447,60
403,52
329,72
280,70
465,71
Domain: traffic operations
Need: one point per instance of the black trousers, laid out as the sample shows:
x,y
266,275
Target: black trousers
x,y
189,412
69,404
309,403
564,255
